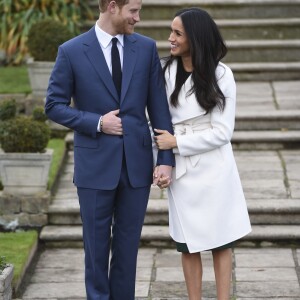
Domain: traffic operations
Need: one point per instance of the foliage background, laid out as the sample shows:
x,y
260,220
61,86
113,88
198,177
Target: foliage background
x,y
17,17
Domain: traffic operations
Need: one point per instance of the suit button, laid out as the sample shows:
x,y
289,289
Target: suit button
x,y
120,136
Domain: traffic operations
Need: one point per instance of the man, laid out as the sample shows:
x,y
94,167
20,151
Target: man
x,y
112,142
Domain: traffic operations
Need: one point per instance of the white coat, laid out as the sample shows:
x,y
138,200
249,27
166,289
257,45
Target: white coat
x,y
207,207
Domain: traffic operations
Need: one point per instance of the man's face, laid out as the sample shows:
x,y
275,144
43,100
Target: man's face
x,y
126,17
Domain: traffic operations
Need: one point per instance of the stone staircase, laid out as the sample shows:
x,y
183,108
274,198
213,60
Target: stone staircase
x,y
263,36
267,151
273,207
264,42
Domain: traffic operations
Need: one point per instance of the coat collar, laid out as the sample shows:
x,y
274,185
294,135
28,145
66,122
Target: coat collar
x,y
188,107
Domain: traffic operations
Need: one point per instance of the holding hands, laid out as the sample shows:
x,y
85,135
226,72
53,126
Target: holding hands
x,y
162,174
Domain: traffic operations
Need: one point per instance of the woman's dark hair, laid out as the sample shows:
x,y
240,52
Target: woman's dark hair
x,y
207,49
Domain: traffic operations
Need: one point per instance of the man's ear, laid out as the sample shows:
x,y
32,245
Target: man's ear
x,y
112,6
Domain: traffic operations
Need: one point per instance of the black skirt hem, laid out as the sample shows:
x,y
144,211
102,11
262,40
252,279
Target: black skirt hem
x,y
183,248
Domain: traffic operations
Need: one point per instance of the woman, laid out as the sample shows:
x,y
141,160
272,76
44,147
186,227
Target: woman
x,y
207,208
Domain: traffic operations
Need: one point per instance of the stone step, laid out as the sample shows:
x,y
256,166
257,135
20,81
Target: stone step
x,y
266,140
247,51
266,71
252,140
258,60
262,35
261,234
231,29
218,9
265,120
270,211
71,236
244,44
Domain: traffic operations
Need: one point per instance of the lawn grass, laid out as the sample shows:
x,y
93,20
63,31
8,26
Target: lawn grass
x,y
16,248
59,146
14,80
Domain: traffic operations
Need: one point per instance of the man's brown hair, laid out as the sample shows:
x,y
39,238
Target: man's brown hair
x,y
104,3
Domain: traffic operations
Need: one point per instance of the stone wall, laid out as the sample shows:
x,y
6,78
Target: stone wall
x,y
6,278
23,211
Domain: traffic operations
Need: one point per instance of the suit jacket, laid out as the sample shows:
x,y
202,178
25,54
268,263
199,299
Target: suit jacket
x,y
81,73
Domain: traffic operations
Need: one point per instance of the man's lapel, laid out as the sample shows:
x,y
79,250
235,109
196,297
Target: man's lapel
x,y
95,55
129,60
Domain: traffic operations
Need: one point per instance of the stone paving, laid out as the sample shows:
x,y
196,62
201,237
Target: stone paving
x,y
264,273
268,96
258,273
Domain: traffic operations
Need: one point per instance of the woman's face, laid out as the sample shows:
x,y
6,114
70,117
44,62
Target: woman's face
x,y
178,39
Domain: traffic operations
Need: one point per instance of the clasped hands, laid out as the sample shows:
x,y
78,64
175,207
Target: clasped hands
x,y
162,174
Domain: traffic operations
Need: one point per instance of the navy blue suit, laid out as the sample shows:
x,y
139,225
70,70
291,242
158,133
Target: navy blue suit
x,y
113,174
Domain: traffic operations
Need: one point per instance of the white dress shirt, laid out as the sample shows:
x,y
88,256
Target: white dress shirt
x,y
104,40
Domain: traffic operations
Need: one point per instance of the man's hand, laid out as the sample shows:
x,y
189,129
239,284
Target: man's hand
x,y
162,176
111,124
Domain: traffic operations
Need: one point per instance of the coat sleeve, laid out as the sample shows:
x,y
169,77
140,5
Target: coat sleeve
x,y
222,123
157,107
59,94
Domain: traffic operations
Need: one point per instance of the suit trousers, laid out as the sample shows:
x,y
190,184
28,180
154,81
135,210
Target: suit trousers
x,y
112,222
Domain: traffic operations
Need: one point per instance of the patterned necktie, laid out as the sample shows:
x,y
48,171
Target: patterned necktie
x,y
116,65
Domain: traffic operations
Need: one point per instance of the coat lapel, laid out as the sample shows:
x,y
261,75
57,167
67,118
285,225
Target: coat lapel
x,y
95,55
188,107
129,60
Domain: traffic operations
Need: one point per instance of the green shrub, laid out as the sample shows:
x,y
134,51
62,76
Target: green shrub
x,y
21,133
8,109
44,37
38,114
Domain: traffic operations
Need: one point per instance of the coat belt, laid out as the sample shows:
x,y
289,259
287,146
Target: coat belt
x,y
181,161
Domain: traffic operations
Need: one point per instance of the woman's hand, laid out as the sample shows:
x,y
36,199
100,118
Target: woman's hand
x,y
165,140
